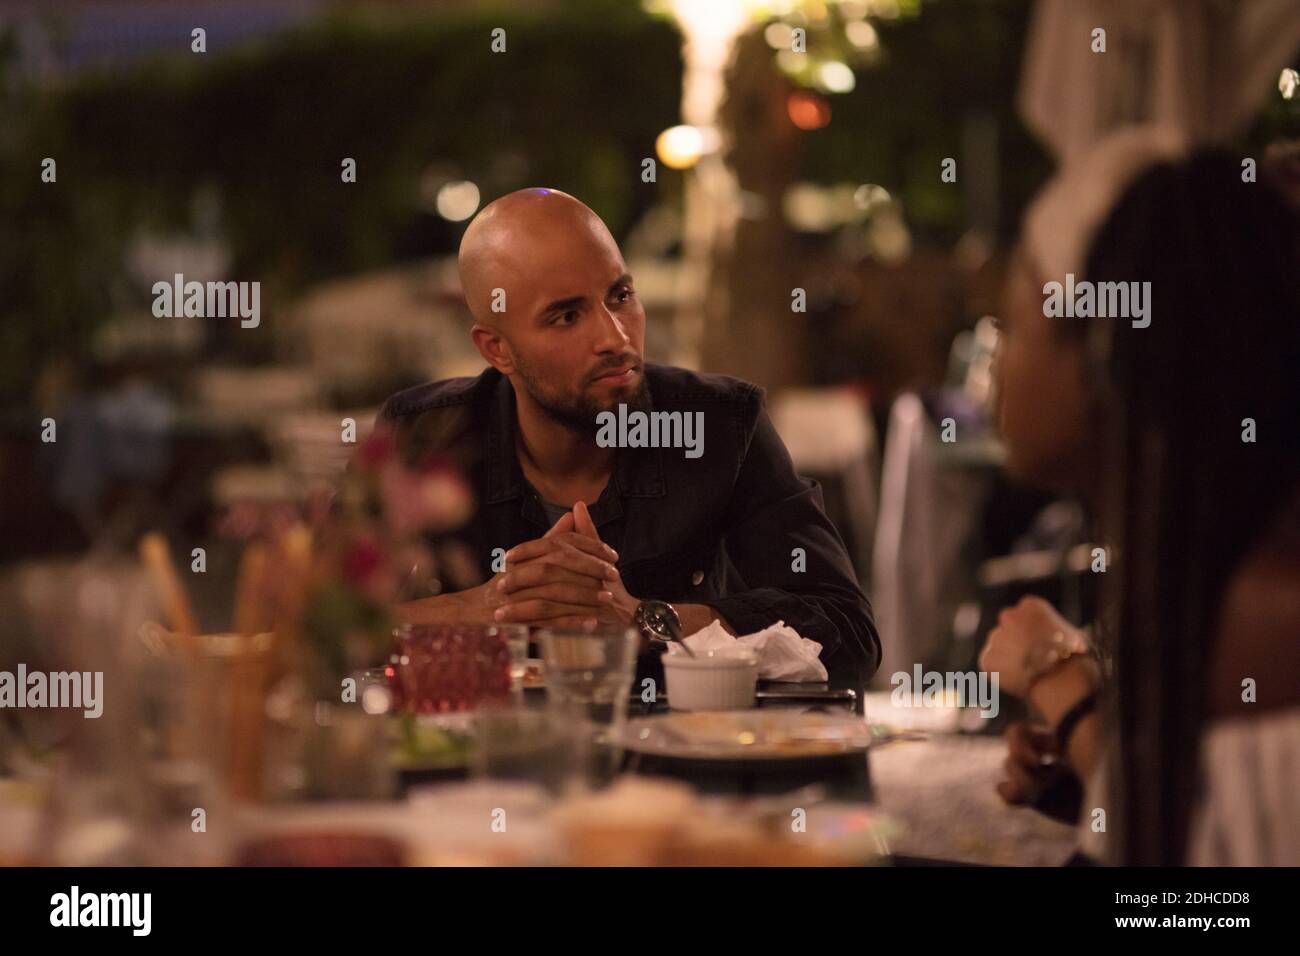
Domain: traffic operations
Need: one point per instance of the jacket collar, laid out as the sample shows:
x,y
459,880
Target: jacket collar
x,y
638,472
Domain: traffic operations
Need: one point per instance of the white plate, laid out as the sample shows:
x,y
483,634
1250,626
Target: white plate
x,y
770,734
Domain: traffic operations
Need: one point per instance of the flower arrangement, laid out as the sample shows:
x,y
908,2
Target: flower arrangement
x,y
340,562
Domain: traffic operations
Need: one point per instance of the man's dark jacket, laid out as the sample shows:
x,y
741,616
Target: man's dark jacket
x,y
735,528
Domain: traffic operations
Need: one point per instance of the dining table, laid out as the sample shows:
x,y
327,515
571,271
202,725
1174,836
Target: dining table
x,y
929,777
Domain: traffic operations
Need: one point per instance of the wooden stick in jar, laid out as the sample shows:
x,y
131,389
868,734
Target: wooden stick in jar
x,y
251,674
294,576
156,556
251,610
176,604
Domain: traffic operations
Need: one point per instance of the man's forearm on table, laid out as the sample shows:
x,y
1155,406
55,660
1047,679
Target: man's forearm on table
x,y
831,619
472,607
461,607
691,617
696,617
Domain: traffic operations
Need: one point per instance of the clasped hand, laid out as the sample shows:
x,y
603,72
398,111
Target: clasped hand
x,y
566,578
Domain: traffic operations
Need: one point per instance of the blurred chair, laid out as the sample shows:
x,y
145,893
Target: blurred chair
x,y
387,327
309,452
830,435
931,511
260,484
948,518
311,445
255,396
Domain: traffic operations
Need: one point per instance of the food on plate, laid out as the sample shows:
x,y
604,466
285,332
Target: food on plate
x,y
651,822
423,743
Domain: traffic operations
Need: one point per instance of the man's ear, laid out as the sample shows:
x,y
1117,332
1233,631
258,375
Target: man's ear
x,y
494,349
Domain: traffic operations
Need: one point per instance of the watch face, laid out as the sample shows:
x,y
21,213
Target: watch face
x,y
659,619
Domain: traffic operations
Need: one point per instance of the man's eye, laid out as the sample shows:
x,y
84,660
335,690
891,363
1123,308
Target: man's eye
x,y
566,318
624,294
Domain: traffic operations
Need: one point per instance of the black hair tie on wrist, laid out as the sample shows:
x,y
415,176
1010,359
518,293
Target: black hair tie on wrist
x,y
1071,720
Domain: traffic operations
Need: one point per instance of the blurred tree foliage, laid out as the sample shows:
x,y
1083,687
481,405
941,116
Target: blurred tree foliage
x,y
955,61
574,103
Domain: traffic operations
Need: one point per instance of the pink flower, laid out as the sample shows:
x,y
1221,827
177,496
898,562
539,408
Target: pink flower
x,y
319,508
241,520
436,499
251,519
363,558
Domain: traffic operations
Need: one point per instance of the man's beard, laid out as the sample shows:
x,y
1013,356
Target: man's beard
x,y
578,412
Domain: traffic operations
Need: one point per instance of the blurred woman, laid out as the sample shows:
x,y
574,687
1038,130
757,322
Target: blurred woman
x,y
1184,437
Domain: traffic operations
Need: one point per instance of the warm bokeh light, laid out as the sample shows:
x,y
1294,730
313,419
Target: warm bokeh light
x,y
457,201
1288,82
680,147
862,35
778,35
836,77
870,197
808,110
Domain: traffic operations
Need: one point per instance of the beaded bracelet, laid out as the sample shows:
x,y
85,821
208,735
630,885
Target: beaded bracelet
x,y
1062,645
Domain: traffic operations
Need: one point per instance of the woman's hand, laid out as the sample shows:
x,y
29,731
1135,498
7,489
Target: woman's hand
x,y
1025,650
1015,647
1039,777
1028,765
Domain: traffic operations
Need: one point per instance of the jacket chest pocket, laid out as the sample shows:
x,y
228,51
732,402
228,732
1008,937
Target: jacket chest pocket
x,y
680,576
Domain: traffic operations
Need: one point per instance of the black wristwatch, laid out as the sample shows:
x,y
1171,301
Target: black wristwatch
x,y
658,621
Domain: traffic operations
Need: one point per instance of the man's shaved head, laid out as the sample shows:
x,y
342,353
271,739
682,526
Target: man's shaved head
x,y
553,304
506,234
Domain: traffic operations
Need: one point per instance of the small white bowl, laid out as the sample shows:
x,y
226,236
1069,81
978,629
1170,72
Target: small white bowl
x,y
707,682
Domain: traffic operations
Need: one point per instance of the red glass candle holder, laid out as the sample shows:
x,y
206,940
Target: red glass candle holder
x,y
449,668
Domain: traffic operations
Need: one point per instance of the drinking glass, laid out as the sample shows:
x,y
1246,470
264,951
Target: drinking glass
x,y
516,636
528,746
345,754
588,679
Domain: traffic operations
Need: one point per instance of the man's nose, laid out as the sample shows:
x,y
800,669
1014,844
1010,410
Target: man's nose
x,y
610,335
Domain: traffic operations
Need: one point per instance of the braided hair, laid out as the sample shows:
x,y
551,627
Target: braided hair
x,y
1185,496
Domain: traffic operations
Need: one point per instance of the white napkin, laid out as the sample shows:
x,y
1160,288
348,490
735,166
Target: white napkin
x,y
782,654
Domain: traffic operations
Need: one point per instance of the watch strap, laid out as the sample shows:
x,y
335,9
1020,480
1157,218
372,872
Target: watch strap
x,y
1070,721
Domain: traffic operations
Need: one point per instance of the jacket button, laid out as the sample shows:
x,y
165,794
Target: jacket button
x,y
697,577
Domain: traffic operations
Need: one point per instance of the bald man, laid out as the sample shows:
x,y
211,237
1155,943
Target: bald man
x,y
617,491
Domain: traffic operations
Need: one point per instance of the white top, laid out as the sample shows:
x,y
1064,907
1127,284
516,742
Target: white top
x,y
1248,815
1249,810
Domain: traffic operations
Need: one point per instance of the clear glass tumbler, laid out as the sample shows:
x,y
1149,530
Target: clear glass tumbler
x,y
588,679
